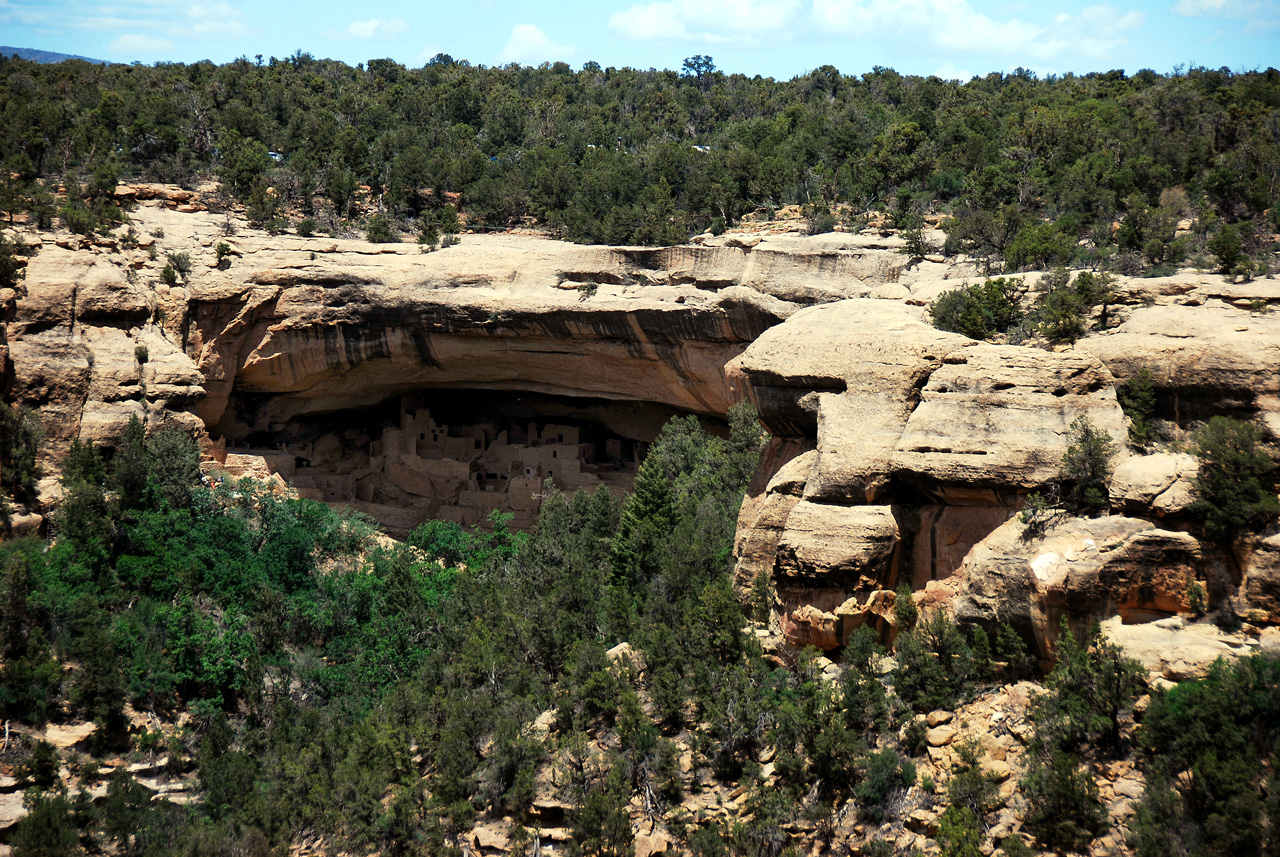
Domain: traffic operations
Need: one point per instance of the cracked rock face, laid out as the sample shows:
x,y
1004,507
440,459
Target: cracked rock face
x,y
263,330
1082,570
897,449
909,446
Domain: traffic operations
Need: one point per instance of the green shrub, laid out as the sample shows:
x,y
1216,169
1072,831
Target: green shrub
x,y
866,707
1064,809
1160,823
10,269
221,251
181,262
761,596
980,311
933,663
1041,510
1039,246
959,833
262,208
174,464
905,612
915,738
1091,688
168,275
1210,739
306,227
821,222
1228,247
1137,398
382,230
1063,312
884,774
1236,483
1013,846
877,848
30,681
970,786
21,435
1011,650
1086,468
49,830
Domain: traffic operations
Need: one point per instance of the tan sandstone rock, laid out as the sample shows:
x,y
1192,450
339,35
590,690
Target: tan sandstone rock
x,y
1202,359
1084,570
1260,560
892,405
994,421
1158,484
1173,650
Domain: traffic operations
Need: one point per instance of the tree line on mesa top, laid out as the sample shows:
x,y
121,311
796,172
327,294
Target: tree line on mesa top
x,y
1035,171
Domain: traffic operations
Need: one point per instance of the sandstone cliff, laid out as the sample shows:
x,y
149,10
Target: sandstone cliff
x,y
898,450
261,331
901,453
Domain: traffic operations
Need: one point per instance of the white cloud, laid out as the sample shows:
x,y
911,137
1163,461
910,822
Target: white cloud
x,y
734,23
529,45
376,28
217,10
950,72
1097,32
949,24
950,27
217,19
955,26
137,45
1223,8
212,28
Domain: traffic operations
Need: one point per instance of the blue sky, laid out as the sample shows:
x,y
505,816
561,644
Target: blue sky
x,y
778,38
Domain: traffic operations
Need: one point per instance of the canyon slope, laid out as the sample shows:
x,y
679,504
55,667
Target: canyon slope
x,y
295,355
415,384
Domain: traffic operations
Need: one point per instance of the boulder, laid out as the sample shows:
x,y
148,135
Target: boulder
x,y
994,421
837,544
1159,484
1083,570
940,736
1260,563
1175,652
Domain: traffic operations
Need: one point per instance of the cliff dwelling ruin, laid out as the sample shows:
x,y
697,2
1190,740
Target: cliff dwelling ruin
x,y
456,455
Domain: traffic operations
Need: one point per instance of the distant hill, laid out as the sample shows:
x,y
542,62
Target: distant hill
x,y
44,56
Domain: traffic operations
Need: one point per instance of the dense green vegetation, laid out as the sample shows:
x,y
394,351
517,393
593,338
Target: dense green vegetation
x,y
1236,482
1029,166
1211,785
310,658
383,695
1061,312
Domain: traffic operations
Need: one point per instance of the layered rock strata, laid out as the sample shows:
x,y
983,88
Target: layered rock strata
x,y
258,331
897,448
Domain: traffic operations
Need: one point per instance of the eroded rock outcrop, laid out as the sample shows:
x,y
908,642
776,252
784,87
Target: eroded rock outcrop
x,y
897,447
909,446
1160,484
1205,357
86,354
259,334
1081,570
